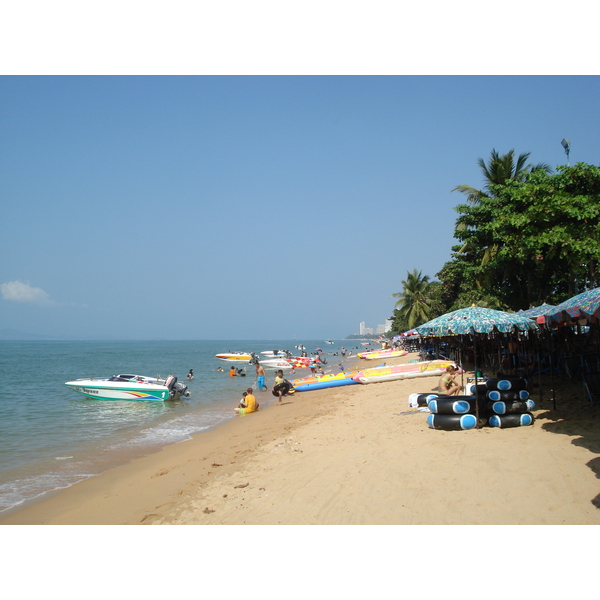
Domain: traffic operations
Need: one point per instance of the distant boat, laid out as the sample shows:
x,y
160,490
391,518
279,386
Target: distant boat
x,y
329,342
235,356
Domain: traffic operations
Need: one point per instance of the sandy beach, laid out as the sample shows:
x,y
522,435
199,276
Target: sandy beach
x,y
354,455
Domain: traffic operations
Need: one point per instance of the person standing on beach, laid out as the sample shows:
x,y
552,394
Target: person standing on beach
x,y
261,378
281,386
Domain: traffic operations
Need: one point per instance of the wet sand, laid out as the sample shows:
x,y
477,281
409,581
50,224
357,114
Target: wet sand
x,y
355,455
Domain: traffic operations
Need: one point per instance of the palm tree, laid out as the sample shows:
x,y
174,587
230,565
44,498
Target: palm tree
x,y
415,301
500,169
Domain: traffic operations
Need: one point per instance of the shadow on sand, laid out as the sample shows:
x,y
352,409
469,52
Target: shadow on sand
x,y
574,416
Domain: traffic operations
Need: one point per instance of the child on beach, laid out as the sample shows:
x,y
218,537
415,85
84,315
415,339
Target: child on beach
x,y
282,386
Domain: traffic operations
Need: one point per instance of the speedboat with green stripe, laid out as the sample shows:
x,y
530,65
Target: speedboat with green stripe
x,y
130,387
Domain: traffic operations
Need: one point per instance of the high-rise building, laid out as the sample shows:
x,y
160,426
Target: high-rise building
x,y
362,330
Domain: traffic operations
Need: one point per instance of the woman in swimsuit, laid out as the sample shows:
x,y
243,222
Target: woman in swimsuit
x,y
447,384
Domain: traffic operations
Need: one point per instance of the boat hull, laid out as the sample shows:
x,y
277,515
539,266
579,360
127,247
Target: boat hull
x,y
276,364
109,390
233,357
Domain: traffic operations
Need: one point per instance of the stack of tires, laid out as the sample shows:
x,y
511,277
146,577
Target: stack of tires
x,y
502,403
508,403
415,400
455,412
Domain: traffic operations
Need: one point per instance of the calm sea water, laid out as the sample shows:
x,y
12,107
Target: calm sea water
x,y
52,437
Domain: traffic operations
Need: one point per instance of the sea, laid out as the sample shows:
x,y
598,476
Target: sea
x,y
52,437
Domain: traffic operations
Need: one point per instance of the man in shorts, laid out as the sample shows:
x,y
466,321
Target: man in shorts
x,y
260,378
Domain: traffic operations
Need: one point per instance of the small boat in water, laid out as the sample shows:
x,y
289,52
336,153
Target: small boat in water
x,y
276,363
130,387
236,356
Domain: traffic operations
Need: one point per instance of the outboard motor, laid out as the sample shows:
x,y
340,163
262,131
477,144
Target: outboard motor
x,y
170,382
181,389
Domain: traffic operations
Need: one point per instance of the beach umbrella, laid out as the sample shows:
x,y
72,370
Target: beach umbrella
x,y
475,320
582,306
538,311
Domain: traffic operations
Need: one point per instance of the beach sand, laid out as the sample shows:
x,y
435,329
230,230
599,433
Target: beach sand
x,y
355,455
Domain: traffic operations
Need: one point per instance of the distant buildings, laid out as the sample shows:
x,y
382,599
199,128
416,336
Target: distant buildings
x,y
380,330
362,330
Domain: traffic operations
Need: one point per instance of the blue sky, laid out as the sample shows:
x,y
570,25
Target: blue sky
x,y
282,188
207,207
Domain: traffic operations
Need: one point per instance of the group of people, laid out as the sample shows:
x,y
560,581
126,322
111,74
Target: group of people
x,y
233,372
281,387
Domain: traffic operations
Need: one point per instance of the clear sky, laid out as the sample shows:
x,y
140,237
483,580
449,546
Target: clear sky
x,y
250,207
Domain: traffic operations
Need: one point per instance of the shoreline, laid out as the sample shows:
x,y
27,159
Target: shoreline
x,y
351,455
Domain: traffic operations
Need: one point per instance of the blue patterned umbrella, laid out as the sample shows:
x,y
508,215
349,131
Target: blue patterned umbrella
x,y
538,311
475,319
582,306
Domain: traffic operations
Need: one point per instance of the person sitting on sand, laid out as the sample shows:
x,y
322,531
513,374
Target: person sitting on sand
x,y
248,403
447,385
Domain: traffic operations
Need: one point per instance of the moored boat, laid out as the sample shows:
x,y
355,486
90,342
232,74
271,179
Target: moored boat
x,y
276,363
130,387
236,356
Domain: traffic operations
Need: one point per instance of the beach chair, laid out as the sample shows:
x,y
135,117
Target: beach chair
x,y
592,386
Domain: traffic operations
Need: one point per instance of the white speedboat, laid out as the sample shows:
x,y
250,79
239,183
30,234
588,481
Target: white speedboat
x,y
236,356
130,387
276,363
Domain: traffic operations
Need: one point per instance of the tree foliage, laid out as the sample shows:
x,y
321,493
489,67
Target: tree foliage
x,y
531,241
418,302
530,236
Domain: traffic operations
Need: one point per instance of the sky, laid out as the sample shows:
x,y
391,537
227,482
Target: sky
x,y
234,206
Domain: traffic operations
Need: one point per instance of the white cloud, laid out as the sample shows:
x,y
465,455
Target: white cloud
x,y
17,291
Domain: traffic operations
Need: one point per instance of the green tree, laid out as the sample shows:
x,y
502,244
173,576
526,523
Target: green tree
x,y
544,233
549,225
500,169
474,273
416,301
